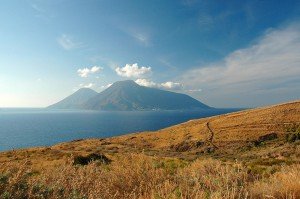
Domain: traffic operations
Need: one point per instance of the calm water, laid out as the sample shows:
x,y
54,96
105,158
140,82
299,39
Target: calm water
x,y
21,128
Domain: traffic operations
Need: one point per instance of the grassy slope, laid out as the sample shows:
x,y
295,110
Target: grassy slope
x,y
182,161
233,138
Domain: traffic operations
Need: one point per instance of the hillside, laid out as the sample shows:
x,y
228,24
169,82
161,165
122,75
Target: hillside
x,y
128,96
76,100
247,154
223,135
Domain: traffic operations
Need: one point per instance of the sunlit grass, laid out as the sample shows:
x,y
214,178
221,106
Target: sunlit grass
x,y
141,176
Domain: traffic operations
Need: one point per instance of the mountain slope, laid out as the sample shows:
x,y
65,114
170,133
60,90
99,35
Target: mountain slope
x,y
242,154
226,133
76,100
233,136
246,135
127,95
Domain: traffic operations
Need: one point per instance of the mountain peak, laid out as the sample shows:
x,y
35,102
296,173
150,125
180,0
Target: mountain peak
x,y
127,96
85,90
75,100
125,83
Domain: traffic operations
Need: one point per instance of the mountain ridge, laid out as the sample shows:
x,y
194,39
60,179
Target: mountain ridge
x,y
75,100
129,96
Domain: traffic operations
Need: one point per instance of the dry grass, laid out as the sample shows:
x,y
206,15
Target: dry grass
x,y
140,176
150,165
284,184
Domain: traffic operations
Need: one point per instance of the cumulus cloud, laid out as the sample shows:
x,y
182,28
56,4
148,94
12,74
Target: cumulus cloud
x,y
166,85
172,85
146,82
84,72
273,61
133,71
67,42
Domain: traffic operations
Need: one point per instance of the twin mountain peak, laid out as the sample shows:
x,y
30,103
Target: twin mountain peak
x,y
128,96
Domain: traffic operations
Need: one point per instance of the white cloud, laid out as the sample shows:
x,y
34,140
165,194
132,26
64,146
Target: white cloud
x,y
172,86
67,42
146,82
108,61
166,85
167,63
90,85
194,90
84,72
272,61
95,69
133,71
40,11
140,34
105,86
140,37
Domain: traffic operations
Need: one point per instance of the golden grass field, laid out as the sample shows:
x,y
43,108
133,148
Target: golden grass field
x,y
248,154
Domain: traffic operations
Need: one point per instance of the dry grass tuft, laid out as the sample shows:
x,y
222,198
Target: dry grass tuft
x,y
140,176
283,184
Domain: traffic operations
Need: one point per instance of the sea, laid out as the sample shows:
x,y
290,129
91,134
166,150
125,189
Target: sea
x,y
30,127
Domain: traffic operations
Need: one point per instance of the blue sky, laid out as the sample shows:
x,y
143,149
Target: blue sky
x,y
224,53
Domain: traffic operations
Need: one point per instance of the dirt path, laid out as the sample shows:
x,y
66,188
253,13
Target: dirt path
x,y
211,138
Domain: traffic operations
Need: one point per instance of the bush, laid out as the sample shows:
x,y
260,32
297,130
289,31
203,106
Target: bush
x,y
262,139
84,160
292,137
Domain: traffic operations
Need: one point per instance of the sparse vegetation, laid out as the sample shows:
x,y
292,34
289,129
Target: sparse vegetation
x,y
292,132
283,184
141,176
253,154
294,128
292,137
84,160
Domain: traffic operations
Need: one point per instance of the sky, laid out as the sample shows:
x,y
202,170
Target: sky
x,y
223,53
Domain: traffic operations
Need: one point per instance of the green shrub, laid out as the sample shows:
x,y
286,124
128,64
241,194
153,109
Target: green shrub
x,y
292,137
3,179
84,160
6,195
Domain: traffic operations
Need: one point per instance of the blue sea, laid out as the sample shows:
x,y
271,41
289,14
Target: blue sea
x,y
21,128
